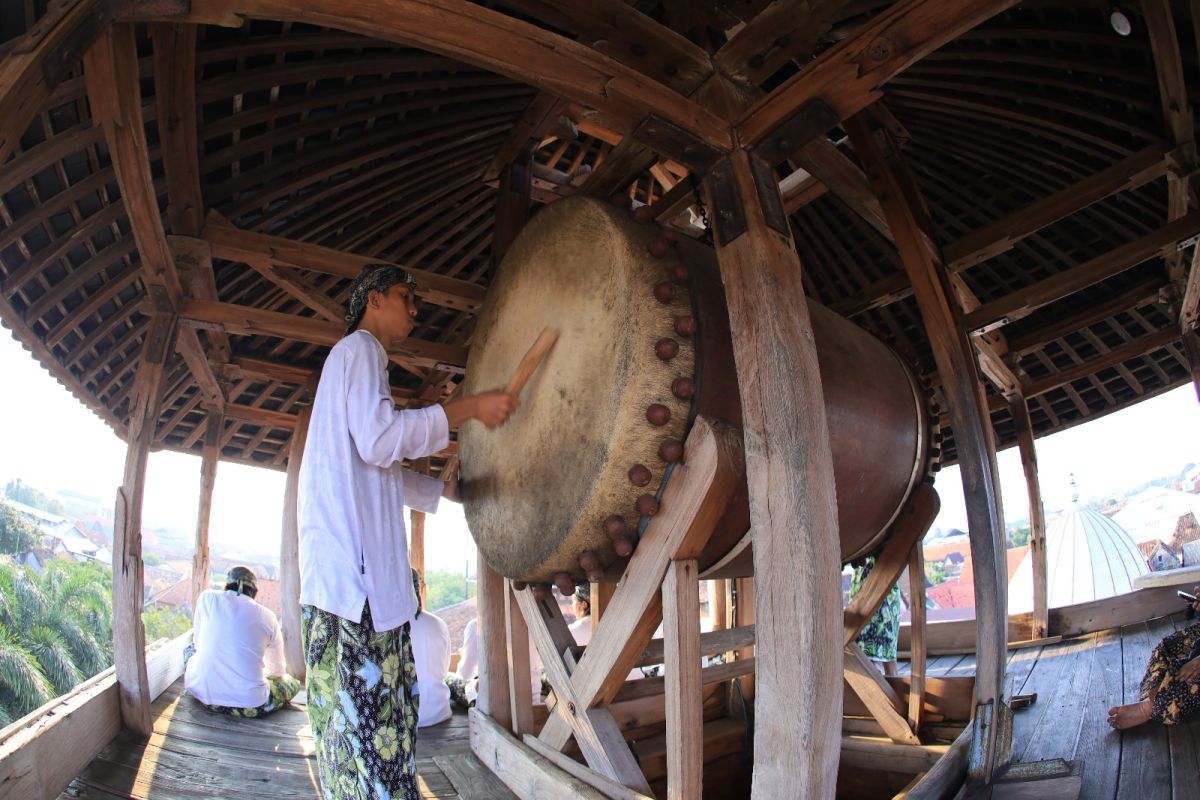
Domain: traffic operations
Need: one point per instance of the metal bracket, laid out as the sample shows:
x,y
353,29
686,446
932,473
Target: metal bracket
x,y
677,144
729,218
812,120
767,187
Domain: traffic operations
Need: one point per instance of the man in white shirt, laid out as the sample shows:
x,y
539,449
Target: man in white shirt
x,y
237,668
431,654
355,594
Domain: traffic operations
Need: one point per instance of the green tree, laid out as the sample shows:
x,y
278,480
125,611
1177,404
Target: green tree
x,y
164,622
55,631
1019,536
445,588
24,493
17,534
935,572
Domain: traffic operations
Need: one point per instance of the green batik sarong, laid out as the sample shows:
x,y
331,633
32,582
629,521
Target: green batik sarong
x,y
878,638
282,689
362,704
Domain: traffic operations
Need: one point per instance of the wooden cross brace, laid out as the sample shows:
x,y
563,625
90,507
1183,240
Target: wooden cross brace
x,y
691,505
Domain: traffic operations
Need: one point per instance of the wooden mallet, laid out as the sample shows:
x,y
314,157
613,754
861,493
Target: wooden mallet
x,y
529,364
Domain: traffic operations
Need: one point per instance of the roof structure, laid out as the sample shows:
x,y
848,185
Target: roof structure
x,y
1155,513
1038,140
1088,557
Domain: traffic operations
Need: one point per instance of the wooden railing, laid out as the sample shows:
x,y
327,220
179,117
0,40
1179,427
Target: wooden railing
x,y
41,752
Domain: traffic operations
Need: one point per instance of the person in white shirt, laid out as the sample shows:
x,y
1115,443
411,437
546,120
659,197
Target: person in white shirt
x,y
463,683
355,594
581,628
237,667
431,654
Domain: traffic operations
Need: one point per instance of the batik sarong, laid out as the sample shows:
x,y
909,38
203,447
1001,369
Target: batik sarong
x,y
1175,700
362,703
879,636
282,689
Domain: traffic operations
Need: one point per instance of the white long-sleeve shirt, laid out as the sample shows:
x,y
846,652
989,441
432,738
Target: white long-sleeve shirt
x,y
238,644
353,492
468,665
431,655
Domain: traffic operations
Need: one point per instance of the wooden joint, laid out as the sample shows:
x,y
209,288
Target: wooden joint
x,y
62,60
811,121
677,144
728,215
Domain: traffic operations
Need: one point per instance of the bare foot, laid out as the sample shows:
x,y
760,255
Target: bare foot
x,y
1129,716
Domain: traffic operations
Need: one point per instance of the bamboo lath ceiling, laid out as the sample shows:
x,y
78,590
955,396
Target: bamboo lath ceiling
x,y
370,148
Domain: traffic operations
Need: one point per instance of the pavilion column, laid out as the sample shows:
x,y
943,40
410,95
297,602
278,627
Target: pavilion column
x,y
289,551
1019,409
416,546
211,454
793,509
956,364
129,635
1191,350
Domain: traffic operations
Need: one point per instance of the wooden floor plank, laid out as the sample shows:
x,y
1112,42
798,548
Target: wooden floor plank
x,y
472,779
1145,772
1046,679
1065,704
1098,746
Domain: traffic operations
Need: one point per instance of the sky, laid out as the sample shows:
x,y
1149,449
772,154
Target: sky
x,y
53,442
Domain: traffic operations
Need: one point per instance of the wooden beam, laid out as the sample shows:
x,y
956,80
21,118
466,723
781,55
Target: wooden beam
x,y
52,45
115,97
782,31
209,456
493,699
919,513
685,716
917,648
849,76
520,677
952,353
129,636
842,177
1138,347
289,552
1142,294
247,321
248,247
175,98
1019,410
793,508
877,695
541,113
187,344
496,42
1025,301
1189,305
522,769
261,416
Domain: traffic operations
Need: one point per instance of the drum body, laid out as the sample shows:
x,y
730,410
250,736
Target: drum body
x,y
644,345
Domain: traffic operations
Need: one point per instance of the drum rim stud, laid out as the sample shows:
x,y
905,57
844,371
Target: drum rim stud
x,y
640,475
658,414
666,348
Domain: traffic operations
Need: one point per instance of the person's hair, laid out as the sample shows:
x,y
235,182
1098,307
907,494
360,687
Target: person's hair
x,y
583,593
373,278
241,580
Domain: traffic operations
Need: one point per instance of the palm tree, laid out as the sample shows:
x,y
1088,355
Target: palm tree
x,y
55,631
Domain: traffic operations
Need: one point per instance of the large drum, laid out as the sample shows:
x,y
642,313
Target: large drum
x,y
644,345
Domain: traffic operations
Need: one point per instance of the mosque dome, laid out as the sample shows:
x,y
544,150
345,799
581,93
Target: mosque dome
x,y
1088,557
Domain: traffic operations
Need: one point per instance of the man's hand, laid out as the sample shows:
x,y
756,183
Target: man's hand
x,y
491,408
1191,670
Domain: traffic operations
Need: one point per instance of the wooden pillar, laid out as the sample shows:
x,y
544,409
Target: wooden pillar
x,y
717,603
954,356
493,697
683,689
602,594
520,677
208,478
1019,409
129,635
416,547
289,550
1191,349
918,649
789,469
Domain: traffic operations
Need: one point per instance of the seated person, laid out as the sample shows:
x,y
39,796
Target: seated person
x,y
880,635
581,628
237,668
431,655
464,682
1170,690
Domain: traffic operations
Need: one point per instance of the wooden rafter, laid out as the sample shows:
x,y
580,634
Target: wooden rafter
x,y
848,76
235,244
477,35
249,321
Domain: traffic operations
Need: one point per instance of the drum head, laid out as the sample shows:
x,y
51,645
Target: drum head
x,y
538,490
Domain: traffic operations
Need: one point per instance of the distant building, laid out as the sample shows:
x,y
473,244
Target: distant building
x,y
1088,557
1155,514
1191,554
1158,556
